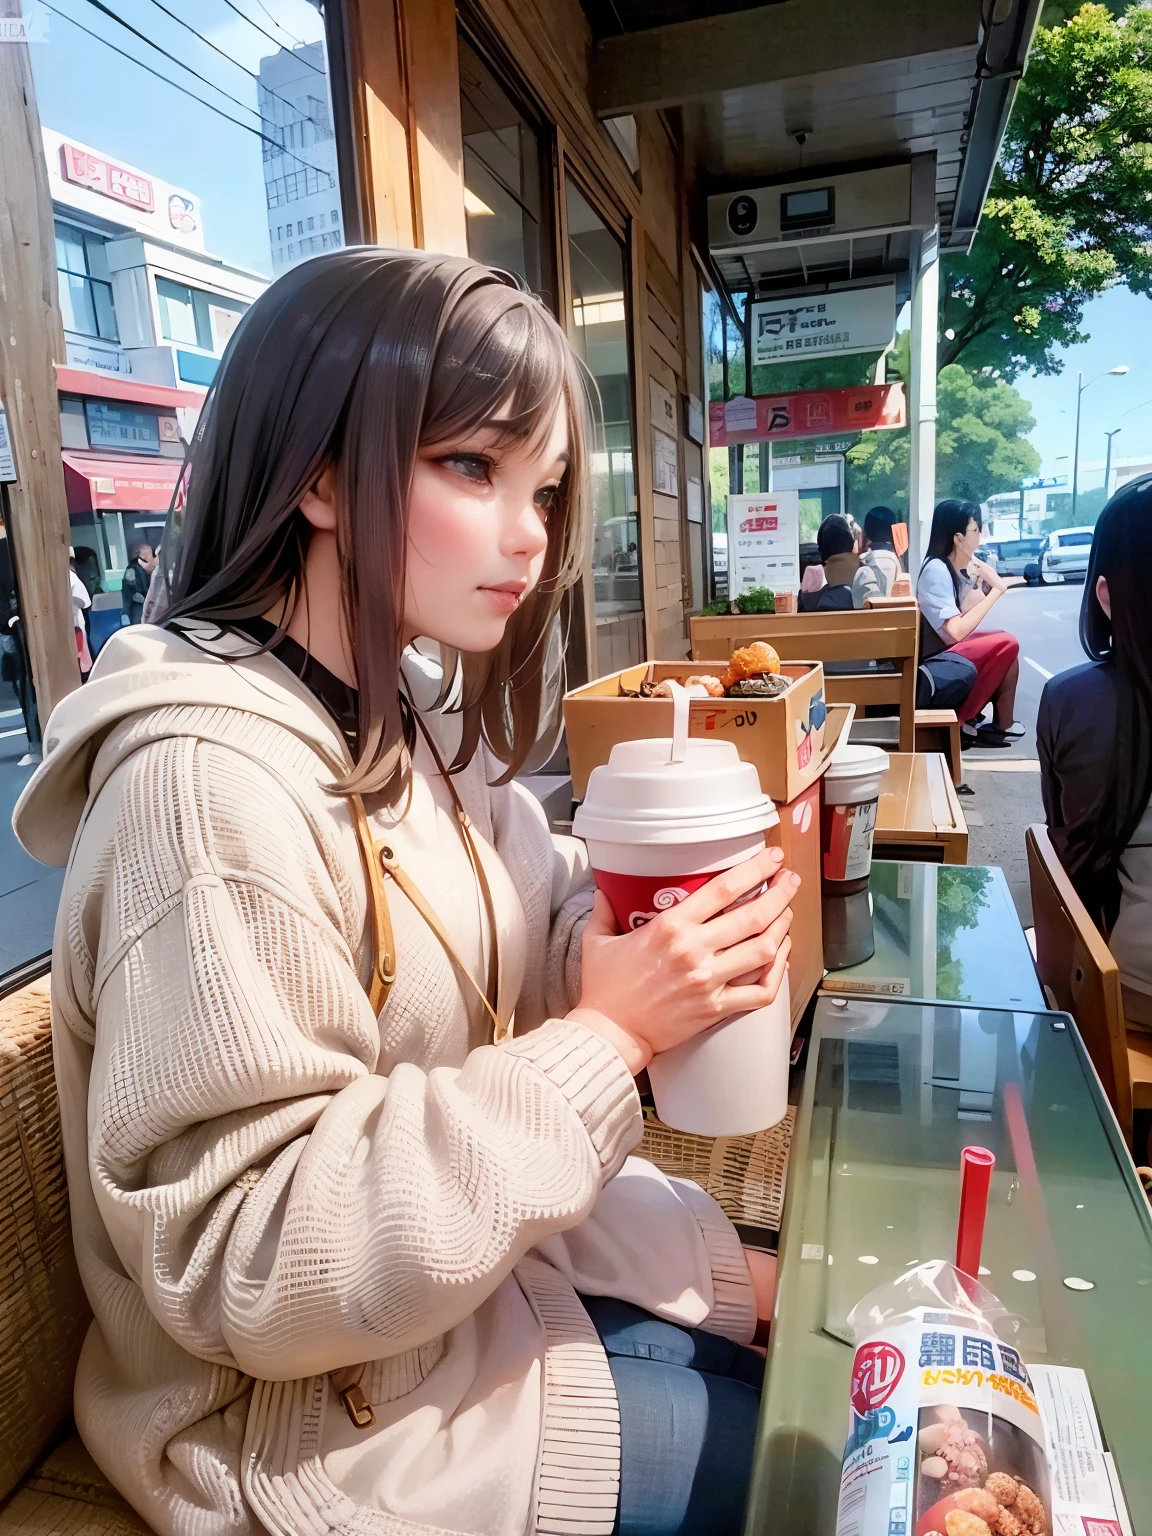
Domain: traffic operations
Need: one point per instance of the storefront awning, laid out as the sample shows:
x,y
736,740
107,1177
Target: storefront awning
x,y
119,485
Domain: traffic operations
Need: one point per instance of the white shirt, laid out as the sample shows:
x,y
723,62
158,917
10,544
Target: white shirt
x,y
80,599
937,596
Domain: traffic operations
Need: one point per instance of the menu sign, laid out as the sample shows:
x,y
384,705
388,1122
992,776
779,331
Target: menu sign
x,y
764,542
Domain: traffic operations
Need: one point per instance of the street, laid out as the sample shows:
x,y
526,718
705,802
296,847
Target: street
x,y
1007,782
29,891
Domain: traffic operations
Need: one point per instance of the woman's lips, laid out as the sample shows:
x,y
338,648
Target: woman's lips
x,y
504,599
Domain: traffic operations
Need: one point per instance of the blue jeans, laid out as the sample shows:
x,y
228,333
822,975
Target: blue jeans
x,y
689,1404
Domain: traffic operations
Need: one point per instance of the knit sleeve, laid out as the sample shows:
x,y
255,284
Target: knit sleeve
x,y
283,1207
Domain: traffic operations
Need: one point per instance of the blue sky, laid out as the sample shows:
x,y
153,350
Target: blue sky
x,y
84,89
1119,327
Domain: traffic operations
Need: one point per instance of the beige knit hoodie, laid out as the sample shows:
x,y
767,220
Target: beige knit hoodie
x,y
269,1184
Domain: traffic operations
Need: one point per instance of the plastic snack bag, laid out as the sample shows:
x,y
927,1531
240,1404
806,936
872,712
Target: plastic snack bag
x,y
944,1435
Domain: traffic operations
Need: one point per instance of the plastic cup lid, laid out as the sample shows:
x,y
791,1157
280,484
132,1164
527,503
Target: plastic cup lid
x,y
854,760
641,796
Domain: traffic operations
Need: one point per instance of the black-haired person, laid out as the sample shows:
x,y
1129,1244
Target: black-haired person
x,y
953,604
837,545
879,563
334,1236
1094,739
135,582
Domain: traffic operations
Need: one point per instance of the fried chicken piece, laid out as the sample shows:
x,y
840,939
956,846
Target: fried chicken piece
x,y
1002,1488
712,685
959,1522
751,659
1029,1510
978,1501
1006,1523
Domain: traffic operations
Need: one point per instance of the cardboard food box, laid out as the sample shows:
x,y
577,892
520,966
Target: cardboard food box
x,y
783,737
799,836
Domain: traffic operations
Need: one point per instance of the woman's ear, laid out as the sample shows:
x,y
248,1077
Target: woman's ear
x,y
319,504
1103,596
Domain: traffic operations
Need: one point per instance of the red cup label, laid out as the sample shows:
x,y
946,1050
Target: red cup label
x,y
637,899
848,840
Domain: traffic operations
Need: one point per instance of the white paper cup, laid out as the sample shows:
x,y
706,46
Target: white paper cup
x,y
851,795
658,827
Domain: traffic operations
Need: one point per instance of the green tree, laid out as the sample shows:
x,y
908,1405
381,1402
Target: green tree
x,y
981,444
1070,206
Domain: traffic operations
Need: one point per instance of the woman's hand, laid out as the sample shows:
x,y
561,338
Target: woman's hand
x,y
691,966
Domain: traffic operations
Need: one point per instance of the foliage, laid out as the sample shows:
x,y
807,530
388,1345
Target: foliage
x,y
981,445
716,609
1068,213
756,600
959,897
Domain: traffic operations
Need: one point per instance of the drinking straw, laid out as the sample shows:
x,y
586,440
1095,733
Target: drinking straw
x,y
976,1165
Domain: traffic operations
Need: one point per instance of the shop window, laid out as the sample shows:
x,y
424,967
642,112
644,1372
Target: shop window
x,y
177,313
599,333
504,201
84,282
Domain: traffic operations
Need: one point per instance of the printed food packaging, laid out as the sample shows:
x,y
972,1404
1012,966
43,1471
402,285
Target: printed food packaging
x,y
944,1433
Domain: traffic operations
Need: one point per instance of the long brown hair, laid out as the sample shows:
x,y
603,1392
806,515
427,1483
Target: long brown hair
x,y
356,359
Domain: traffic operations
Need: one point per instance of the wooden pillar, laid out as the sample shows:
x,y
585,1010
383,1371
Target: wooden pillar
x,y
408,109
31,341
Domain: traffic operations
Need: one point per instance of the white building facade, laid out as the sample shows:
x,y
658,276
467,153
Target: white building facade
x,y
301,185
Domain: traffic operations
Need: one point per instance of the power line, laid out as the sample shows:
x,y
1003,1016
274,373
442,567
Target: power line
x,y
252,75
105,10
264,33
297,42
184,91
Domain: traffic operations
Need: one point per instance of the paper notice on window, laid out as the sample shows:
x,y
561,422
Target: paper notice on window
x,y
1085,1495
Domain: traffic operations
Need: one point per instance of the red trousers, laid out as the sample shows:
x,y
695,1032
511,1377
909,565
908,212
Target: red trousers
x,y
991,652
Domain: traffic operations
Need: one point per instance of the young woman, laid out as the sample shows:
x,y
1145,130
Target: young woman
x,y
1094,736
332,1207
956,594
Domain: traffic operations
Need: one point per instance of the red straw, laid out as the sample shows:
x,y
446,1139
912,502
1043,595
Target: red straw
x,y
976,1165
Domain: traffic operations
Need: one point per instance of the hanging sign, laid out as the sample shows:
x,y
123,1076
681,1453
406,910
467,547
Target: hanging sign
x,y
764,542
7,462
810,413
849,320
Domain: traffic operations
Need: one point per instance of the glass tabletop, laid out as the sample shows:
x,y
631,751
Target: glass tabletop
x,y
941,931
893,1091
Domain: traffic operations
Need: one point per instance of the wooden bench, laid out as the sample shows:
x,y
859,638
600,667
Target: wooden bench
x,y
884,635
1080,977
919,815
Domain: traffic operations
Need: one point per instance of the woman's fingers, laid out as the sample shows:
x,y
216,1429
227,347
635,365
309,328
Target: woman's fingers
x,y
723,889
744,999
751,957
752,917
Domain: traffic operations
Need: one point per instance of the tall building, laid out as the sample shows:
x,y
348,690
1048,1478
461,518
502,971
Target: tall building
x,y
300,181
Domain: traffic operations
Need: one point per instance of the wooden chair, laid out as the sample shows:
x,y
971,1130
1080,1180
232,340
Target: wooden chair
x,y
1080,977
888,633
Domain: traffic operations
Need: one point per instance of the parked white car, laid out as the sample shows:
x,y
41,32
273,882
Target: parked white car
x,y
1065,555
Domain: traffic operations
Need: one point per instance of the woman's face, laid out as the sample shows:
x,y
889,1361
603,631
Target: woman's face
x,y
967,543
477,533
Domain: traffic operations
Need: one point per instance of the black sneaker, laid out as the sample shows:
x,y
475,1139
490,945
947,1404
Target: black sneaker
x,y
993,736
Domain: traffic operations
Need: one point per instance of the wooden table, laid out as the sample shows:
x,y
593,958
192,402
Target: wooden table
x,y
919,815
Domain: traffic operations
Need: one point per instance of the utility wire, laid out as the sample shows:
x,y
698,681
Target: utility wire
x,y
184,91
252,75
106,10
264,33
297,42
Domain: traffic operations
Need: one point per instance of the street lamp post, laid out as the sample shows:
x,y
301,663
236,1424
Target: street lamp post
x,y
1108,462
1080,388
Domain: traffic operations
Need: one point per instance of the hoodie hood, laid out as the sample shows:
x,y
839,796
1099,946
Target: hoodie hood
x,y
142,668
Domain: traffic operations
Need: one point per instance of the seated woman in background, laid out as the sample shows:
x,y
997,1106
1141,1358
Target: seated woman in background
x,y
1094,735
880,566
953,603
837,545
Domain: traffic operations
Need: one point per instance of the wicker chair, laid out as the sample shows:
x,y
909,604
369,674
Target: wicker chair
x,y
49,1482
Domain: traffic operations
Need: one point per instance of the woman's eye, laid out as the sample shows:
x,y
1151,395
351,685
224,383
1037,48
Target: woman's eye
x,y
548,498
473,466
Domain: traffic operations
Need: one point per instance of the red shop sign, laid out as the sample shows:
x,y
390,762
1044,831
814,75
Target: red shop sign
x,y
85,169
811,413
